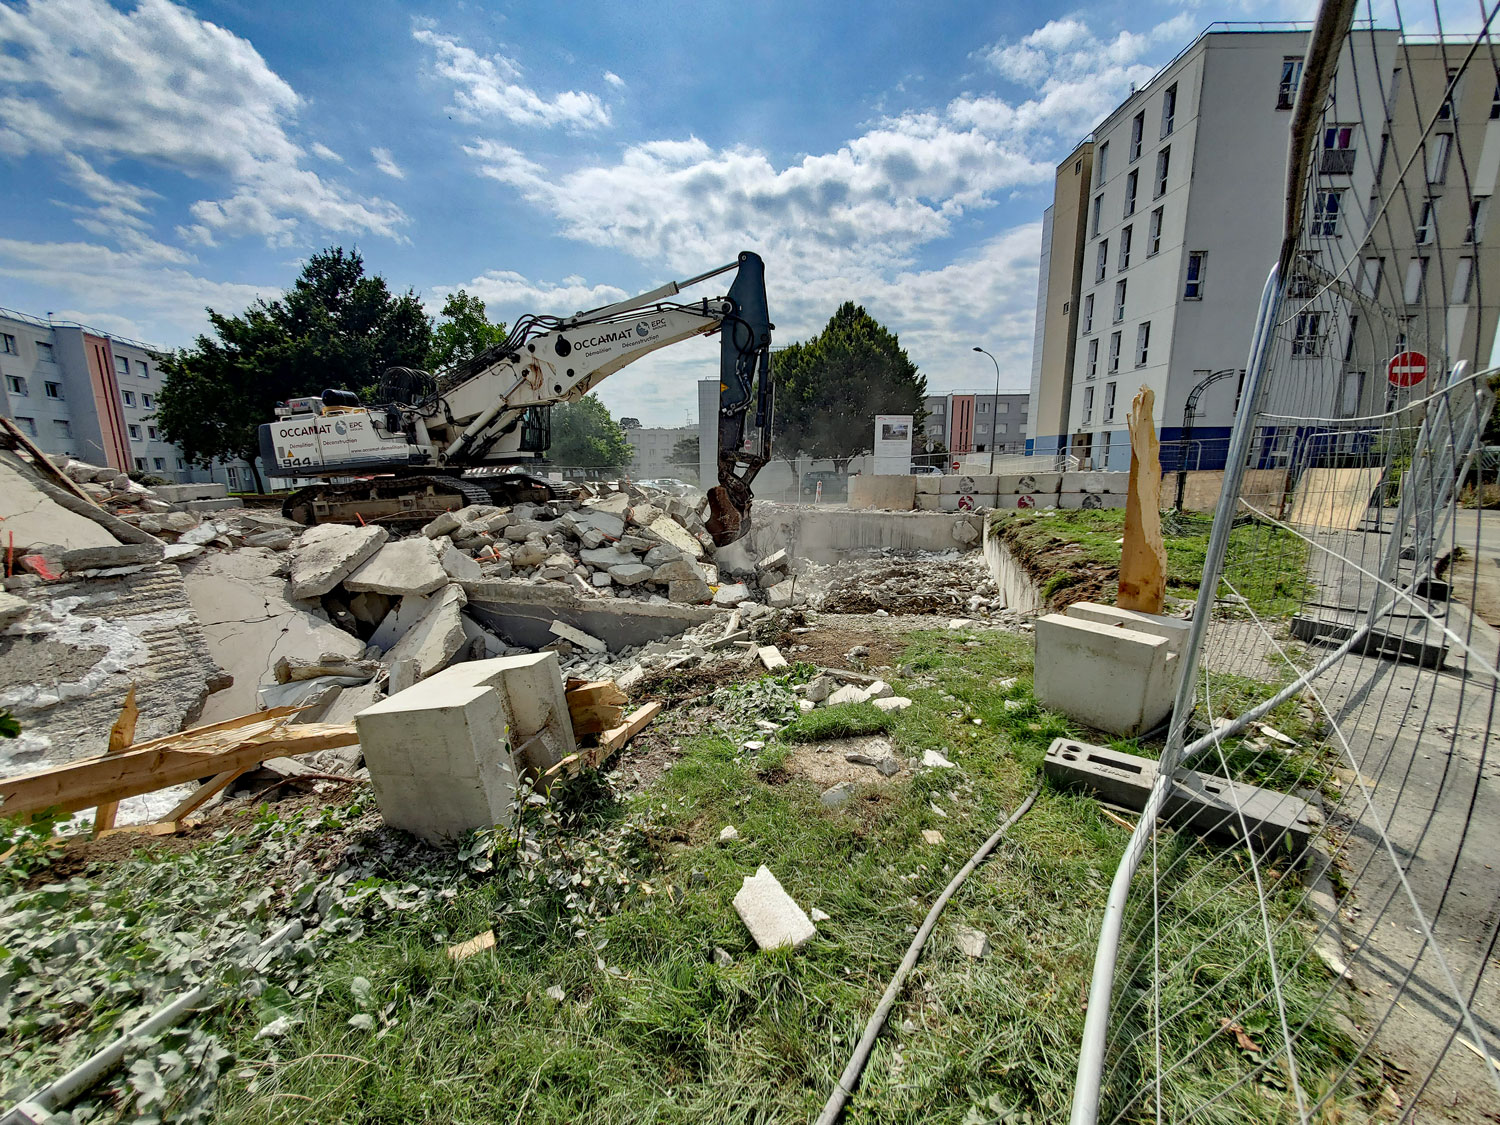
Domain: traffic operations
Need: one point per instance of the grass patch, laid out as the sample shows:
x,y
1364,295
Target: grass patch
x,y
619,907
847,720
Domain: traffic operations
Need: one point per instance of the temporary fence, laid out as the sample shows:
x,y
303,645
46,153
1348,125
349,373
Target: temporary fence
x,y
1343,650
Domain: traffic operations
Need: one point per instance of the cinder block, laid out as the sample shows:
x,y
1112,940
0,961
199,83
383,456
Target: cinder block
x,y
960,483
1212,806
1018,484
1175,629
1095,482
965,502
1114,679
438,758
1090,500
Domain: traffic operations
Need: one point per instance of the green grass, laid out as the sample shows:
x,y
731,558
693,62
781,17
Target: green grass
x,y
624,903
847,720
1265,564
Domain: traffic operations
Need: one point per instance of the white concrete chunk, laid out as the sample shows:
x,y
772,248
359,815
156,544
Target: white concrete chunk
x,y
405,566
976,943
732,594
771,657
670,531
459,566
325,555
933,760
849,693
577,636
438,637
893,703
770,914
630,574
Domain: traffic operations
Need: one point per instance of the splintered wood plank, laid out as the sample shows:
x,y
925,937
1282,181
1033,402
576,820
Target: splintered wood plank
x,y
193,800
161,763
593,720
1143,558
589,693
612,740
121,735
477,944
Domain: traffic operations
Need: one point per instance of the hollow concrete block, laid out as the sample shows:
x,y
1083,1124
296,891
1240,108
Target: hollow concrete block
x,y
1174,629
1114,679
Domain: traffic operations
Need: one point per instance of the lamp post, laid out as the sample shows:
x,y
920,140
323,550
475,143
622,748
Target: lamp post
x,y
995,413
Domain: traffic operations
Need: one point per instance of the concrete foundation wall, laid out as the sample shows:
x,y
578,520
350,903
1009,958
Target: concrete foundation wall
x,y
890,493
826,534
1016,587
523,614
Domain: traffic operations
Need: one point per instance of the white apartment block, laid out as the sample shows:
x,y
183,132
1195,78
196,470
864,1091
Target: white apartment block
x,y
651,452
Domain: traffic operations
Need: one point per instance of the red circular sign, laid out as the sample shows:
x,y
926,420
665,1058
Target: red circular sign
x,y
966,503
955,466
1026,502
1406,369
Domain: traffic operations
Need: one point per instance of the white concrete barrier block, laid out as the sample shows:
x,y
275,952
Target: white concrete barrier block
x,y
1025,500
1174,629
1112,678
928,502
960,483
1095,482
1020,484
966,501
1090,500
534,700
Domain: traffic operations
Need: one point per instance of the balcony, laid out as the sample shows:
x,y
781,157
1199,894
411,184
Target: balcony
x,y
1337,162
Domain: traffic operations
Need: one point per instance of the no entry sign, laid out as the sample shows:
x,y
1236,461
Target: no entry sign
x,y
1406,369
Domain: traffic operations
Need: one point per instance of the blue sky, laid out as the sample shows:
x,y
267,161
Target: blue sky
x,y
156,158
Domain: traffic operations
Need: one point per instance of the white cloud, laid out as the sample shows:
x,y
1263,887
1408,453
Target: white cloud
x,y
158,85
385,162
613,79
104,286
507,295
490,86
323,152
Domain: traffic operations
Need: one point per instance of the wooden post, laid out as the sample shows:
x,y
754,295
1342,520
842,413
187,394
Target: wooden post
x,y
121,735
1143,559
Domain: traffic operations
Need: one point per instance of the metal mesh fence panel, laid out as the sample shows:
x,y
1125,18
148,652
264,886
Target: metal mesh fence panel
x,y
1345,646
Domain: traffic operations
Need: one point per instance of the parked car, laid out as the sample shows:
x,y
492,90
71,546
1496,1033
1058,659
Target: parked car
x,y
926,471
667,484
835,484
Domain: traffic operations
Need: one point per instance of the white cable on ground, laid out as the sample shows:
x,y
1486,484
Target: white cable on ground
x,y
850,1078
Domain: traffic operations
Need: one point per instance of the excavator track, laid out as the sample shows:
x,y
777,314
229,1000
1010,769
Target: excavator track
x,y
386,500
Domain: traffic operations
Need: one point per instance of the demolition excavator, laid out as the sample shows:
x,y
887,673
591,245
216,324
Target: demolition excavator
x,y
426,444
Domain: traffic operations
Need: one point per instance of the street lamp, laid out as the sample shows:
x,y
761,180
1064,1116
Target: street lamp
x,y
995,413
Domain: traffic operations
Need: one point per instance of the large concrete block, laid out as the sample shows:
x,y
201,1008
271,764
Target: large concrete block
x,y
1095,482
440,758
533,701
928,485
1090,500
1026,500
960,483
890,493
401,567
929,502
1174,629
966,501
1020,484
326,554
1114,679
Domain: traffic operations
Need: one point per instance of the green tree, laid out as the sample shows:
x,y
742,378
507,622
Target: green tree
x,y
685,451
463,332
584,435
829,388
334,328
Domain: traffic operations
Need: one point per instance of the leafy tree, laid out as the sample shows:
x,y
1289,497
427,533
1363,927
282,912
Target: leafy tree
x,y
334,328
584,435
630,423
463,332
829,388
685,451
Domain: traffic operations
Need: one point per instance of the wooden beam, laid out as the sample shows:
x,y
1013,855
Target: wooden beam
x,y
215,784
121,735
165,762
1143,558
474,945
614,739
594,720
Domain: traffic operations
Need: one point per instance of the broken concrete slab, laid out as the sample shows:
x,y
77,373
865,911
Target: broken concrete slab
x,y
730,595
35,515
116,554
400,567
771,657
459,566
398,621
249,624
578,637
297,667
446,523
849,693
605,557
523,613
12,609
671,532
893,703
933,760
770,914
327,554
689,591
438,637
675,570
630,574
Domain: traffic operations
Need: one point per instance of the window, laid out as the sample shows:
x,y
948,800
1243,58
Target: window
x,y
1463,275
44,352
1350,390
27,424
1385,144
1088,313
1101,163
135,433
140,464
1197,264
1109,402
1303,281
1369,282
1416,271
984,408
1103,265
181,464
142,370
1119,301
1291,76
61,429
54,390
1093,365
122,365
1475,230
1153,243
1353,335
128,398
1445,111
1088,405
981,427
16,385
1003,408
159,462
1137,130
1130,184
1126,237
8,342
939,407
233,476
1142,343
1325,219
1424,223
1098,210
146,401
1002,428
1308,338
1338,150
1163,163
1114,352
1078,166
151,432
1437,157
1168,110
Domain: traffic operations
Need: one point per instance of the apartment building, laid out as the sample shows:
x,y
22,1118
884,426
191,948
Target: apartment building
x,y
1183,221
651,450
975,421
